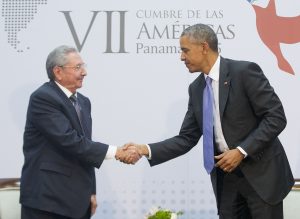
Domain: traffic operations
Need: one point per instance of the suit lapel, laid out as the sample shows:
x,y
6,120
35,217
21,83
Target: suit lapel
x,y
62,96
224,86
69,106
84,115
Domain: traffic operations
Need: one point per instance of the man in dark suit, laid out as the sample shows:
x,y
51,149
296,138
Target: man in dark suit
x,y
58,177
251,173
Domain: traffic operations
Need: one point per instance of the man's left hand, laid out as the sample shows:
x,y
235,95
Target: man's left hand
x,y
93,204
229,160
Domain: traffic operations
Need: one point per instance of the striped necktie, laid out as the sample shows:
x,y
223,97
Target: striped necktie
x,y
77,107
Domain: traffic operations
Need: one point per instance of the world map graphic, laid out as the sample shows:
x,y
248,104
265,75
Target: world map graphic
x,y
17,15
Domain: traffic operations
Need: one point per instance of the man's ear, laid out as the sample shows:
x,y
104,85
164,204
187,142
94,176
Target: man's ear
x,y
57,71
205,47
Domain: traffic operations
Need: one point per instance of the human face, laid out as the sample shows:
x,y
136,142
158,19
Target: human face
x,y
193,54
72,73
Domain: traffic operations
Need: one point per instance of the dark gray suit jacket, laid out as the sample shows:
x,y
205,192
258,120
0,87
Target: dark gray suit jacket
x,y
251,116
58,173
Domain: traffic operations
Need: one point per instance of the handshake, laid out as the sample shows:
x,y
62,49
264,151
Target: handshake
x,y
130,153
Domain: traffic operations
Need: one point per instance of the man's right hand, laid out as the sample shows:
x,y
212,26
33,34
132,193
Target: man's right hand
x,y
130,153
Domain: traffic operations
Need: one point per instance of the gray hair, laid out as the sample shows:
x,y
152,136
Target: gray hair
x,y
58,57
200,33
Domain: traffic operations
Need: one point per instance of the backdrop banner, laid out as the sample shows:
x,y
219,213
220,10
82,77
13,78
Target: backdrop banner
x,y
139,87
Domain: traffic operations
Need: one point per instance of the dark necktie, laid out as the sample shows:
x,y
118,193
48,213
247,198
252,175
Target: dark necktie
x,y
208,147
77,107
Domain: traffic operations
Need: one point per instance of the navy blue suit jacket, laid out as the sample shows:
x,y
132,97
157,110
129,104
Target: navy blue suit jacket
x,y
251,116
58,173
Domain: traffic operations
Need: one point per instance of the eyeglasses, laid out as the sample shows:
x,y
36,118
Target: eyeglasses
x,y
76,67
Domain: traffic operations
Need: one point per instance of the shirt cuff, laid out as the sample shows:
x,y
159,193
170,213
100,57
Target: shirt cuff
x,y
111,152
150,154
242,151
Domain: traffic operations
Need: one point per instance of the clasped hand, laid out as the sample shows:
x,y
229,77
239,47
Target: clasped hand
x,y
129,153
229,160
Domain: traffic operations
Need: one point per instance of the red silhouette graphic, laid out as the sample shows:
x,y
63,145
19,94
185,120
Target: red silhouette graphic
x,y
274,30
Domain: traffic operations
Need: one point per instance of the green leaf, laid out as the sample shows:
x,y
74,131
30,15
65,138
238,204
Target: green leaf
x,y
161,215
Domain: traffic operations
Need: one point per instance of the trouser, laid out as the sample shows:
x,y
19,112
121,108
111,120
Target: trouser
x,y
31,213
238,200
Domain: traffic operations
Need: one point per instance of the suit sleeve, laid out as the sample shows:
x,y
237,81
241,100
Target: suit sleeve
x,y
178,145
94,183
266,106
51,119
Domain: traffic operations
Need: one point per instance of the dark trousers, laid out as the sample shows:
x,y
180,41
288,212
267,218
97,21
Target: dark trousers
x,y
31,213
238,200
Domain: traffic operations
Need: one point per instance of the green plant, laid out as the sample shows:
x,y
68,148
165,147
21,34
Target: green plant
x,y
159,213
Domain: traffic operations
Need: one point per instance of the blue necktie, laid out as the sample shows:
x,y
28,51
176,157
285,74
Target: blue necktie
x,y
208,146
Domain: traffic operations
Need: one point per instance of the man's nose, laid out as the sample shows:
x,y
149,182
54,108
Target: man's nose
x,y
84,72
182,56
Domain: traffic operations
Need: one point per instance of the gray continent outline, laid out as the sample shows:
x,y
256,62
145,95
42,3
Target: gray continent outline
x,y
17,15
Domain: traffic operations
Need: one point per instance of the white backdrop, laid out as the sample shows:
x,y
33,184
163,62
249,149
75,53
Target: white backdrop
x,y
137,85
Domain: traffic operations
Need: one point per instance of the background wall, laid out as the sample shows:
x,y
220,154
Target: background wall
x,y
138,86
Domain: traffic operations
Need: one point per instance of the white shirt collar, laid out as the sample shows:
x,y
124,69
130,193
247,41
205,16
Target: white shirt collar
x,y
214,71
65,90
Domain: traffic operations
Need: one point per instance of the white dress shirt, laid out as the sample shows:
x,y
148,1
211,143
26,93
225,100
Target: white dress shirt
x,y
219,137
